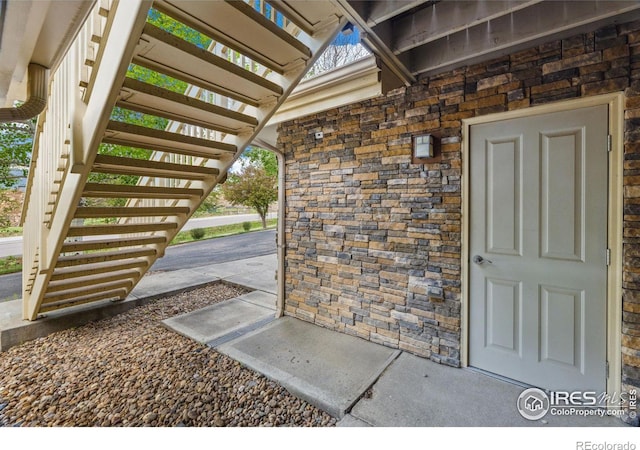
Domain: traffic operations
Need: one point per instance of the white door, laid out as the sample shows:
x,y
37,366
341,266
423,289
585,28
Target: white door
x,y
538,243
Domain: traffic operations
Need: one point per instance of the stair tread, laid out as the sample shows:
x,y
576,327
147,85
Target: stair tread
x,y
117,228
143,137
75,272
307,16
67,284
138,191
226,23
149,99
83,291
169,54
97,244
131,166
118,293
94,212
74,260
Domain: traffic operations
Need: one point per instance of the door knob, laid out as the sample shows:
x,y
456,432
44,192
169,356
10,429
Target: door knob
x,y
480,260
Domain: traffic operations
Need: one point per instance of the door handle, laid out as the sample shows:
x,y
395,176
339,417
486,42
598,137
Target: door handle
x,y
480,260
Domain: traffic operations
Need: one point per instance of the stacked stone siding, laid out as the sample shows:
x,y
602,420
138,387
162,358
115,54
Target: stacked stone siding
x,y
373,241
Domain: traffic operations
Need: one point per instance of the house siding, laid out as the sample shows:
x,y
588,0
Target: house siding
x,y
373,242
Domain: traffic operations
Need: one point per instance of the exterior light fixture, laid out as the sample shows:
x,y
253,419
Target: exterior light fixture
x,y
423,146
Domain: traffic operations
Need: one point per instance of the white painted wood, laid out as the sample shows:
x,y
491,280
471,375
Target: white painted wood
x,y
132,166
162,48
308,15
96,268
149,99
349,84
46,238
538,308
188,159
228,22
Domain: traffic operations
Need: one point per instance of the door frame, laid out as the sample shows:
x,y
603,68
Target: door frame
x,y
615,104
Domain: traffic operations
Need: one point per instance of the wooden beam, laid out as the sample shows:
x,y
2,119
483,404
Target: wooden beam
x,y
167,43
271,27
90,270
181,100
118,228
98,190
203,26
521,29
293,15
142,167
92,258
90,212
137,133
380,11
195,80
162,146
84,291
443,19
103,244
65,285
117,294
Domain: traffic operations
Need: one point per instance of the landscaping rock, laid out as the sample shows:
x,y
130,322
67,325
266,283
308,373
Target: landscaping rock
x,y
131,371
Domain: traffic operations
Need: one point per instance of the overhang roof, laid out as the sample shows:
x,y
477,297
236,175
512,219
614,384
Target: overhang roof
x,y
34,31
412,37
409,37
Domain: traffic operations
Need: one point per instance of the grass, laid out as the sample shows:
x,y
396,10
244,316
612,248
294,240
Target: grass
x,y
222,230
12,264
10,231
224,211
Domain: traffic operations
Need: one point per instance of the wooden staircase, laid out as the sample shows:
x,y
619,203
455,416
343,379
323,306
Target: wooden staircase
x,y
77,250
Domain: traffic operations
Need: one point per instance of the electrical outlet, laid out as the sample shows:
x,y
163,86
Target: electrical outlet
x,y
319,134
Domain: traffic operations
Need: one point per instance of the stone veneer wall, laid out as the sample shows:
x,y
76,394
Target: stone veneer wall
x,y
373,241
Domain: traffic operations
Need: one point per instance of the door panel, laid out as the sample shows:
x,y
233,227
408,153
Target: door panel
x,y
504,209
562,325
538,220
562,193
503,315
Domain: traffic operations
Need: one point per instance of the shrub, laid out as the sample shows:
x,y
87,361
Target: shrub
x,y
246,226
197,233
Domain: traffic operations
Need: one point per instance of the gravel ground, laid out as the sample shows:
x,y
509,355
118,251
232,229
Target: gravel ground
x,y
130,371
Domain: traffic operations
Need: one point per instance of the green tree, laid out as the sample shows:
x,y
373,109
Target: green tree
x,y
262,158
16,139
212,202
252,187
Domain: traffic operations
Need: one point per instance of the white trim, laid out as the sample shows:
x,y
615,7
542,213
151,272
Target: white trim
x,y
615,222
349,84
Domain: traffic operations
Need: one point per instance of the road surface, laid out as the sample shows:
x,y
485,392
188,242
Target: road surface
x,y
12,246
183,256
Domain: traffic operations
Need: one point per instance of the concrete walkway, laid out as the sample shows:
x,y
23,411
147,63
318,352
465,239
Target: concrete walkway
x,y
362,383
